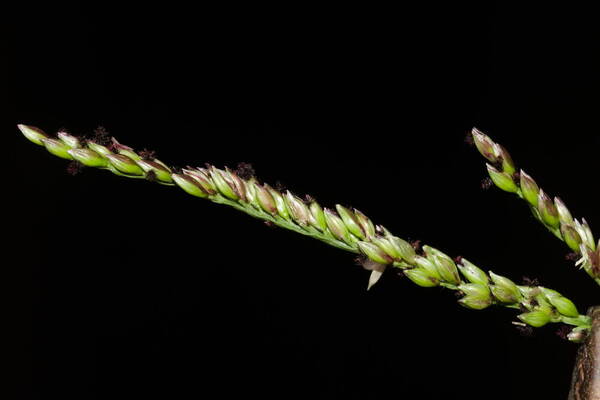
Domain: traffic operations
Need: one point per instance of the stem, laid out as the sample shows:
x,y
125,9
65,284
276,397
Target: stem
x,y
260,214
585,381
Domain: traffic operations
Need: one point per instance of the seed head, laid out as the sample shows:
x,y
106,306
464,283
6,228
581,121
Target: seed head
x,y
318,219
504,289
124,150
529,188
57,147
571,237
473,273
159,172
505,162
69,140
563,305
225,186
405,249
374,253
350,221
98,148
237,183
202,177
124,164
502,179
33,134
444,265
336,225
365,223
485,145
282,208
265,200
536,319
88,157
189,185
477,296
563,212
428,266
421,277
548,210
386,245
299,210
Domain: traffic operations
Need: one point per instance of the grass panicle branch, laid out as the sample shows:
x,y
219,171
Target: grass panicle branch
x,y
552,213
342,227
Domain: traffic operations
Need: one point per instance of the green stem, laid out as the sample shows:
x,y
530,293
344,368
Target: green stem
x,y
260,214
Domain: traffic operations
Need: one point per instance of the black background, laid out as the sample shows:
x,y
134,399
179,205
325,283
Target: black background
x,y
125,288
